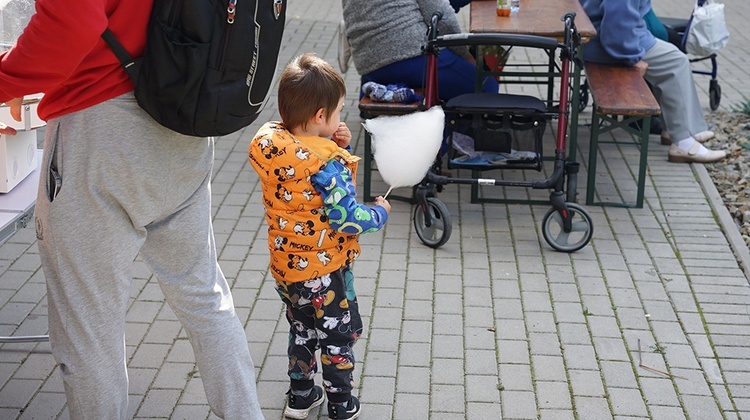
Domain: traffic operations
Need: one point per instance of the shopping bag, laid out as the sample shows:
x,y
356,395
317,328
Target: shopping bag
x,y
707,33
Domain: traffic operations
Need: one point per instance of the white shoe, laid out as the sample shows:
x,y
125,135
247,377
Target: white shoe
x,y
704,136
701,137
678,155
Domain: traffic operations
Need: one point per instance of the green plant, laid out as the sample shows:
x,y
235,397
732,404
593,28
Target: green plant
x,y
658,348
743,107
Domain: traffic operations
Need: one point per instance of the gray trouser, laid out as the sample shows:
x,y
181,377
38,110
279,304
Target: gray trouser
x,y
130,186
672,80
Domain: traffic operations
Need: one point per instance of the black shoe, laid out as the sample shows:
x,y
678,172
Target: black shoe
x,y
298,407
350,410
656,126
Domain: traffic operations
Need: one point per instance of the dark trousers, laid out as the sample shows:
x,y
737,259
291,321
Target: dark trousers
x,y
323,314
456,75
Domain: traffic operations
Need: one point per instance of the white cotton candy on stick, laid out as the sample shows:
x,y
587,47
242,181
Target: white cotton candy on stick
x,y
405,146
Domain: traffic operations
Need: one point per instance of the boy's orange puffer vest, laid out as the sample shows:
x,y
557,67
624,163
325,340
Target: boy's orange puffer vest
x,y
303,245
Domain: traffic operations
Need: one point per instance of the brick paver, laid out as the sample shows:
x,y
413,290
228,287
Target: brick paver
x,y
648,321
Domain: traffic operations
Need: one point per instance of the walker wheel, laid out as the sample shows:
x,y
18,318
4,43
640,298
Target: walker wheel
x,y
714,94
434,212
577,238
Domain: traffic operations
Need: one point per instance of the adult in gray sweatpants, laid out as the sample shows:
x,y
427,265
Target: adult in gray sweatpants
x,y
114,185
155,200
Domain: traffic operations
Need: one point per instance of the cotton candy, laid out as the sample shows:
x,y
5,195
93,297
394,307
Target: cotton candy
x,y
405,146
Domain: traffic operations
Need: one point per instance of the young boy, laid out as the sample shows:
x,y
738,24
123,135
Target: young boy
x,y
313,224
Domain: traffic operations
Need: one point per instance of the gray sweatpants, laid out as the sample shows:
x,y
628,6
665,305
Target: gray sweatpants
x,y
129,186
671,77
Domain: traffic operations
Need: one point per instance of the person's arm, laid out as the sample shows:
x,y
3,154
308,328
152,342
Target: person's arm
x,y
15,112
334,183
458,4
654,25
623,30
59,35
448,24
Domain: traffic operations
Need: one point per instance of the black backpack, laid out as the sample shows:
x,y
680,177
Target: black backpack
x,y
208,64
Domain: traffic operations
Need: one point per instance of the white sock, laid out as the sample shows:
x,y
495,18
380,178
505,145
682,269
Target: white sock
x,y
686,144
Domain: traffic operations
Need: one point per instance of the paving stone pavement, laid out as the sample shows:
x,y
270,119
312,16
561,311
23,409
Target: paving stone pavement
x,y
651,320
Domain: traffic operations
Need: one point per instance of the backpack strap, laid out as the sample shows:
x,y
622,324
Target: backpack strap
x,y
128,63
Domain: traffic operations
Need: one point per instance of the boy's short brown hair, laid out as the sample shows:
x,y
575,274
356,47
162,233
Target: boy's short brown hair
x,y
308,84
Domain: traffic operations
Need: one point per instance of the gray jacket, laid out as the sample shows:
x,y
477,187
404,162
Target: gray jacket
x,y
382,32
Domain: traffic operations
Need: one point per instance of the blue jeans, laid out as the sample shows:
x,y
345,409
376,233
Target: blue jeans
x,y
456,75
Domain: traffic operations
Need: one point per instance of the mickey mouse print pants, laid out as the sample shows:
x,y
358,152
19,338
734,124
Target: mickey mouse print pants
x,y
323,313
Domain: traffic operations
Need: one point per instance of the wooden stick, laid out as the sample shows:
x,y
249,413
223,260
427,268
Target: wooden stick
x,y
388,192
640,363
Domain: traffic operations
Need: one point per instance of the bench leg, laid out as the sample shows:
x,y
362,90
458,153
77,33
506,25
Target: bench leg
x,y
613,123
593,154
645,131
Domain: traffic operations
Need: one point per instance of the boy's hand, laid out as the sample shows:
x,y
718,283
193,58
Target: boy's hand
x,y
342,136
382,202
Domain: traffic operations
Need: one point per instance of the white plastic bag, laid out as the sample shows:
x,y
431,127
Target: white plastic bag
x,y
708,32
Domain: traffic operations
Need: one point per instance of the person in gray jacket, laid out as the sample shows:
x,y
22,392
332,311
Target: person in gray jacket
x,y
387,36
623,38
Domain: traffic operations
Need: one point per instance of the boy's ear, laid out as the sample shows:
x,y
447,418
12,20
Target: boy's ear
x,y
320,116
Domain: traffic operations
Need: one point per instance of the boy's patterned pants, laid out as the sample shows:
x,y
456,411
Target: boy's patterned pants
x,y
323,314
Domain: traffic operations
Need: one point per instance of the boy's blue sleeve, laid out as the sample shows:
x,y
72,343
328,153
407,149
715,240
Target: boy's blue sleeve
x,y
334,183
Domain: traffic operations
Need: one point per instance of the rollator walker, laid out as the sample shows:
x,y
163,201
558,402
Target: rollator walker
x,y
507,132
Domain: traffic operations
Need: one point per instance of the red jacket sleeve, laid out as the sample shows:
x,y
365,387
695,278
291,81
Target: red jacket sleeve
x,y
61,53
58,37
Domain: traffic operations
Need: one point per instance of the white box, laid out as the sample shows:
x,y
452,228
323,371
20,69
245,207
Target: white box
x,y
18,158
29,118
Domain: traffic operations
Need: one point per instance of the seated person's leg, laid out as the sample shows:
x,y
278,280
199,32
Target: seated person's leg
x,y
457,76
409,72
670,75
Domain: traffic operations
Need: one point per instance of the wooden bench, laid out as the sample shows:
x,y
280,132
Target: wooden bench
x,y
372,109
620,97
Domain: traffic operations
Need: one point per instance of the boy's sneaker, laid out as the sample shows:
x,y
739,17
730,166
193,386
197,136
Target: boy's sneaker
x,y
347,411
298,407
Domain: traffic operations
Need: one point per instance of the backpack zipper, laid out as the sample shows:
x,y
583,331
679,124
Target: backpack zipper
x,y
231,13
277,6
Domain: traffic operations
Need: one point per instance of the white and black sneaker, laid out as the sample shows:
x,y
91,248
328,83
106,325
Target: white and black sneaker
x,y
299,407
347,411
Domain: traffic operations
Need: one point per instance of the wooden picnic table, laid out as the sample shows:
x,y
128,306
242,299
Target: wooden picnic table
x,y
541,18
535,17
